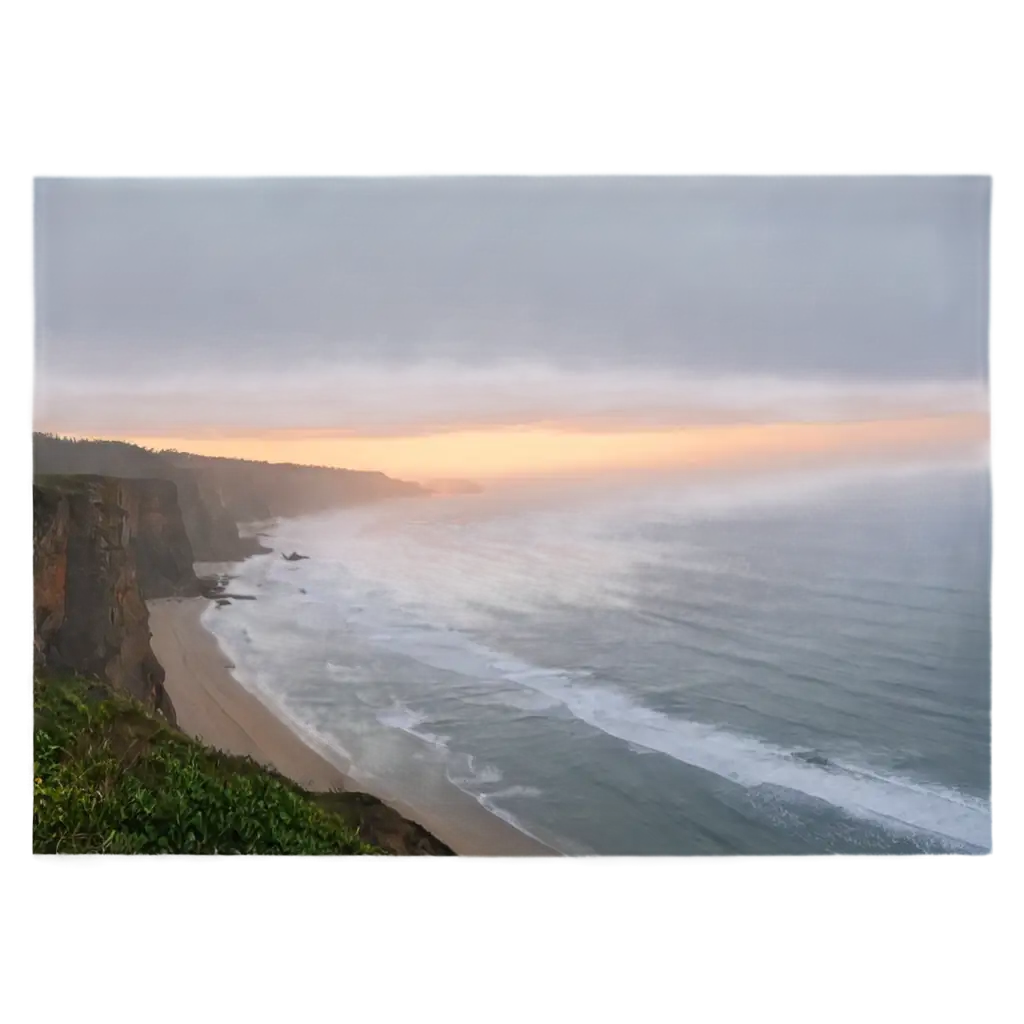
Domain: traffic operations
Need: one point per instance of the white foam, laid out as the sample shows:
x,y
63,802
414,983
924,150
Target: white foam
x,y
244,669
398,716
640,751
747,761
521,699
280,570
488,801
474,776
507,816
526,792
327,740
899,804
750,762
453,651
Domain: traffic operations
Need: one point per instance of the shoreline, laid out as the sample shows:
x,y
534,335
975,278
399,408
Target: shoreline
x,y
214,707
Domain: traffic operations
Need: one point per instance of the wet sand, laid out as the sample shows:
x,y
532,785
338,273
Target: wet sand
x,y
214,707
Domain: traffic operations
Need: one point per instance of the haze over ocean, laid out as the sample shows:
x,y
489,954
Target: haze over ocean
x,y
792,664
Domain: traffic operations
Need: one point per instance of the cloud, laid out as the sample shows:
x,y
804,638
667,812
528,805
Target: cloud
x,y
372,399
411,307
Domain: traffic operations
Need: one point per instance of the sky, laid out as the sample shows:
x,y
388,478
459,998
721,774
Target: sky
x,y
483,326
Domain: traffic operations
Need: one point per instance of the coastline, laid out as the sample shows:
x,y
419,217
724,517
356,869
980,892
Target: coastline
x,y
212,706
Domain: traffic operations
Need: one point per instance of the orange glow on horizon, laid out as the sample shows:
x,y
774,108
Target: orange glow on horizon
x,y
530,451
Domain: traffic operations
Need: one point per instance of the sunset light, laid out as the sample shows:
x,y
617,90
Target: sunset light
x,y
535,450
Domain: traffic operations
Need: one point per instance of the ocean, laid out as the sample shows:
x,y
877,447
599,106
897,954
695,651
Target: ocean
x,y
794,662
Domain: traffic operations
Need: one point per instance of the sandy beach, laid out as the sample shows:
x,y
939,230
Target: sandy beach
x,y
214,707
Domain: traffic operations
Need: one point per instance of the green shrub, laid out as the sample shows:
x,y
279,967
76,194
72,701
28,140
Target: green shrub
x,y
112,778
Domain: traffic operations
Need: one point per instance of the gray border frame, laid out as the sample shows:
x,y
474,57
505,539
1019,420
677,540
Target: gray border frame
x,y
727,89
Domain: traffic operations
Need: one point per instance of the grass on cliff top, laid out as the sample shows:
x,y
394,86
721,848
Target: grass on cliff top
x,y
112,778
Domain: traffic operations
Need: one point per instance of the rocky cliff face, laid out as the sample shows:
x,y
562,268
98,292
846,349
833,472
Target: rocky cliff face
x,y
163,551
90,613
216,494
211,529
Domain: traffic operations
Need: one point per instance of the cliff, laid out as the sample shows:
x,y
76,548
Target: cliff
x,y
216,494
101,546
211,529
250,490
90,610
164,553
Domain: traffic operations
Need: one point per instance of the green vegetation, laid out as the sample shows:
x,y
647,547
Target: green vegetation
x,y
111,777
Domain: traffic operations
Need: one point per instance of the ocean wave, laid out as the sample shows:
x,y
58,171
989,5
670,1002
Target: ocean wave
x,y
745,760
245,667
453,651
474,775
398,716
463,770
507,816
862,792
524,792
351,594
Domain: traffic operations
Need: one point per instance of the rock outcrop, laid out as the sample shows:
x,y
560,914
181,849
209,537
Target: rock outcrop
x,y
90,612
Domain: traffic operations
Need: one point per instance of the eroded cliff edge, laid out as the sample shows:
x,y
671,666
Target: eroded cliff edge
x,y
101,547
216,495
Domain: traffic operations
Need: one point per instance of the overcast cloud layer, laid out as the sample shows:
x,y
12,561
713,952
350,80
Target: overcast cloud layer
x,y
412,304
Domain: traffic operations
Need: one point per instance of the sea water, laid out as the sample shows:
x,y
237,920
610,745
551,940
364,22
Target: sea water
x,y
795,662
